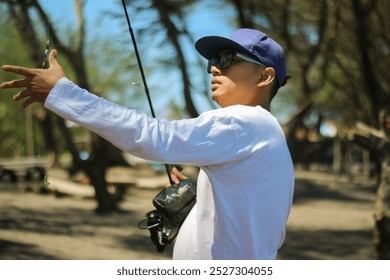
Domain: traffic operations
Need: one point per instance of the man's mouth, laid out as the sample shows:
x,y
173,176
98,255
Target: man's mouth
x,y
214,84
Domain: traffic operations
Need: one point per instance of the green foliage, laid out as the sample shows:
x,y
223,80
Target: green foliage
x,y
109,73
323,44
12,115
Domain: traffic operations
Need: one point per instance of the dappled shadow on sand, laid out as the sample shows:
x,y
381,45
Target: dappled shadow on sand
x,y
27,220
34,226
22,251
323,188
327,245
321,239
70,222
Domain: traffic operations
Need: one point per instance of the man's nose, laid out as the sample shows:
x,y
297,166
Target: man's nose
x,y
215,71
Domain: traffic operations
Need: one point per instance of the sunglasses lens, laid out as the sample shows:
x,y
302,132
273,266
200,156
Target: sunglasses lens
x,y
212,62
224,61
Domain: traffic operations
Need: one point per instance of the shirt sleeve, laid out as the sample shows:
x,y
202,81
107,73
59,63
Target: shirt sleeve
x,y
207,140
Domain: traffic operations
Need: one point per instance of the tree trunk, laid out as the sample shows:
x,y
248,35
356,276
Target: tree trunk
x,y
173,35
382,214
96,170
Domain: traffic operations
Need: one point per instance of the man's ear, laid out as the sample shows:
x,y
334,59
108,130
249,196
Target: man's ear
x,y
266,77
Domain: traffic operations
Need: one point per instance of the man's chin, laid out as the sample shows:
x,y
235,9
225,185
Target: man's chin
x,y
218,101
214,97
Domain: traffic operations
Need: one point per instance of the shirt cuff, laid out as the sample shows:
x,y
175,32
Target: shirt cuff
x,y
55,91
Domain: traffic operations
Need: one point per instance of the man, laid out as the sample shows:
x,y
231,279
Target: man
x,y
245,186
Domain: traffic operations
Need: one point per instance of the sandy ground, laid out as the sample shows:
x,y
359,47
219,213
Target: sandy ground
x,y
331,219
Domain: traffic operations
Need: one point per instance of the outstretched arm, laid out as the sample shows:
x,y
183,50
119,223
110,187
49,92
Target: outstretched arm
x,y
37,83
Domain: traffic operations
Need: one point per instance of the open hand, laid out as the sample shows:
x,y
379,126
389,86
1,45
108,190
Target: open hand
x,y
37,83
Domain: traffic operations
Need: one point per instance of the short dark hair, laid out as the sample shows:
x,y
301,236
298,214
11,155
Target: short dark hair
x,y
274,89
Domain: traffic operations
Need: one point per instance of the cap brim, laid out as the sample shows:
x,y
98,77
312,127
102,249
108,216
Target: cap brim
x,y
210,46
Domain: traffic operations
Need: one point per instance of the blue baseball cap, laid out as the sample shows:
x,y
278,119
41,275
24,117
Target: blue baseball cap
x,y
248,41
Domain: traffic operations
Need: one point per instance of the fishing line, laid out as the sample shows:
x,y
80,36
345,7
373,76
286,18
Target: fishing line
x,y
145,86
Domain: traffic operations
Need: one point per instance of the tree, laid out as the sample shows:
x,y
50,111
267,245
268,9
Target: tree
x,y
165,9
103,154
166,28
373,44
337,54
10,143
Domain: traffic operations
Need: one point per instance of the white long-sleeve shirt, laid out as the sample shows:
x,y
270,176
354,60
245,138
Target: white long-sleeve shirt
x,y
246,182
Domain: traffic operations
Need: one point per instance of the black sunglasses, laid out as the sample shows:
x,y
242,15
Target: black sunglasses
x,y
225,60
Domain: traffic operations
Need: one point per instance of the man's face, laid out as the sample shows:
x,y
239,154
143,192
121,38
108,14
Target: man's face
x,y
236,84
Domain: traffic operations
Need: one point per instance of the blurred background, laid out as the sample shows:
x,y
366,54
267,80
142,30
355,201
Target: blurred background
x,y
333,109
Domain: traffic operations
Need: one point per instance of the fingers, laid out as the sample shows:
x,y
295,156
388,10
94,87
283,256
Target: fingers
x,y
28,102
177,174
28,97
18,70
15,84
23,94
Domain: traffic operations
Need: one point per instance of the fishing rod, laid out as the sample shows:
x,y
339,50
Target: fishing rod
x,y
145,85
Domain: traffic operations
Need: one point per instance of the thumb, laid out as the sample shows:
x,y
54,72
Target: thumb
x,y
53,58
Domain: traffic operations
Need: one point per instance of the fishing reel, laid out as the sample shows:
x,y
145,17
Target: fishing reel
x,y
159,234
172,205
